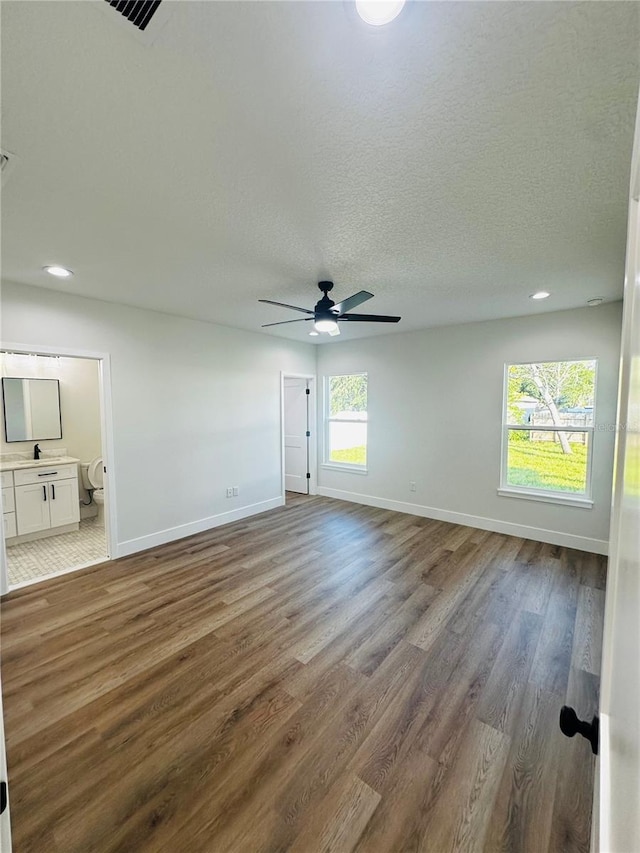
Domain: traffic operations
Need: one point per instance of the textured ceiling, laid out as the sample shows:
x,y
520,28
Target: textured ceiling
x,y
452,162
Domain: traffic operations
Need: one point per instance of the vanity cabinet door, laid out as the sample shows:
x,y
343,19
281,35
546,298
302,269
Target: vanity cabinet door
x,y
64,505
32,508
9,519
8,502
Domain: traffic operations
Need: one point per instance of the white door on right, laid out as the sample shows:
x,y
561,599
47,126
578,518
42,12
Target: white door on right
x,y
5,826
296,439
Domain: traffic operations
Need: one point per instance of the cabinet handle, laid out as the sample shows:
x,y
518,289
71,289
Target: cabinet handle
x,y
53,491
44,492
48,474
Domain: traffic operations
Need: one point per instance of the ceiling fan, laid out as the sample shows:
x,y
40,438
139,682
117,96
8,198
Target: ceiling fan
x,y
327,313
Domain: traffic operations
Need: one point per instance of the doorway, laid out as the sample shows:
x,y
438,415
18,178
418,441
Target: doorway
x,y
298,434
56,499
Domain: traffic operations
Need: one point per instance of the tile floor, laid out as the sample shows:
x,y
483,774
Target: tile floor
x,y
45,557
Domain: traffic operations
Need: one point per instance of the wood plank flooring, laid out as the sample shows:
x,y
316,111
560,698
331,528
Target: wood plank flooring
x,y
322,677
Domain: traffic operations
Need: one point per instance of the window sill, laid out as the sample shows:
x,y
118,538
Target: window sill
x,y
351,469
565,500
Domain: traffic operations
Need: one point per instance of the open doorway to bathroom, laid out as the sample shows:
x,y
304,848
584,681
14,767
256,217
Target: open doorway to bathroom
x,y
52,464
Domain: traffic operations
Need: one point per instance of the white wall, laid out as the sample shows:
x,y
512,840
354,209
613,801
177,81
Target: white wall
x,y
196,408
79,402
435,406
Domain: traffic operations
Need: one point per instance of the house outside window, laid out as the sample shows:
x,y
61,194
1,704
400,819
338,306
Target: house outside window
x,y
548,430
345,421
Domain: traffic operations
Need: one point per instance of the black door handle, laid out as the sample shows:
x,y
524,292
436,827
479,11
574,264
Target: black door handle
x,y
53,491
570,725
44,492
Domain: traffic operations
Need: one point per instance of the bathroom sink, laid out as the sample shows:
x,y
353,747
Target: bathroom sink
x,y
43,462
37,463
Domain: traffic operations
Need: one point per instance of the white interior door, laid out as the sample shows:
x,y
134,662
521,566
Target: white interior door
x,y
5,825
619,812
296,438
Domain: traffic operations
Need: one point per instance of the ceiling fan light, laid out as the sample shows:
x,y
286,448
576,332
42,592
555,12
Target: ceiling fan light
x,y
325,325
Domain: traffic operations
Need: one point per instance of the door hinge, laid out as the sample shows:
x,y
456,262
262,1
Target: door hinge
x,y
308,434
308,476
307,391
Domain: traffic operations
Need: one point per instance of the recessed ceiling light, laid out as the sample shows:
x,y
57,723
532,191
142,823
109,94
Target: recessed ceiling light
x,y
598,300
541,294
379,12
314,334
59,272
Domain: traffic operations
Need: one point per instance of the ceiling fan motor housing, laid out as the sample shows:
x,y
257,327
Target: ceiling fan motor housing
x,y
325,304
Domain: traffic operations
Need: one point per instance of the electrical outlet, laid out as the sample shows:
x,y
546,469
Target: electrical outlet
x,y
236,491
412,486
229,492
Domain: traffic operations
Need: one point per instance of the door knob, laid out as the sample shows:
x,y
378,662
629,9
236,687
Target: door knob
x,y
570,725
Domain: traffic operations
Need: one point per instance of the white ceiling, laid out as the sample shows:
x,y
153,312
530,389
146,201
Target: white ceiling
x,y
452,163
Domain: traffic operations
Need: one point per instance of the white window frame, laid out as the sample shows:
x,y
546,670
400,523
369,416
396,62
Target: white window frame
x,y
353,467
584,500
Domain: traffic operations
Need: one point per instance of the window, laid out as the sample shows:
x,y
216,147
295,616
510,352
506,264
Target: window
x,y
345,421
548,430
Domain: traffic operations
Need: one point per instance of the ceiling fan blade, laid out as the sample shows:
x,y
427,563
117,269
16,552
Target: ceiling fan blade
x,y
282,322
352,301
284,305
370,318
335,331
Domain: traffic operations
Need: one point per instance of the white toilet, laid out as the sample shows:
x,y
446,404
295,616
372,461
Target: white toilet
x,y
93,481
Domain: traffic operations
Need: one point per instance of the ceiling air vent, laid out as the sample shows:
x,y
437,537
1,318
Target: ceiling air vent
x,y
139,12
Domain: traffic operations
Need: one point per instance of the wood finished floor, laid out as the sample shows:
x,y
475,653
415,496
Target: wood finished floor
x,y
323,677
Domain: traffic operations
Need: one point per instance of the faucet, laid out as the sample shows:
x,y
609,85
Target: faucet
x,y
36,451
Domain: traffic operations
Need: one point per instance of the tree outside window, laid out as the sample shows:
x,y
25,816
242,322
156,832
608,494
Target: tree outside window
x,y
548,426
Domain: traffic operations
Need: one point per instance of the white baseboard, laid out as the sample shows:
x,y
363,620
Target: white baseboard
x,y
132,546
538,534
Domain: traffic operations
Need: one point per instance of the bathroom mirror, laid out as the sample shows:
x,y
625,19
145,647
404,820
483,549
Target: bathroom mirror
x,y
31,409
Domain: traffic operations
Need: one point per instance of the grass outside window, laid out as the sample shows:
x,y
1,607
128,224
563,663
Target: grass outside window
x,y
544,465
350,455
